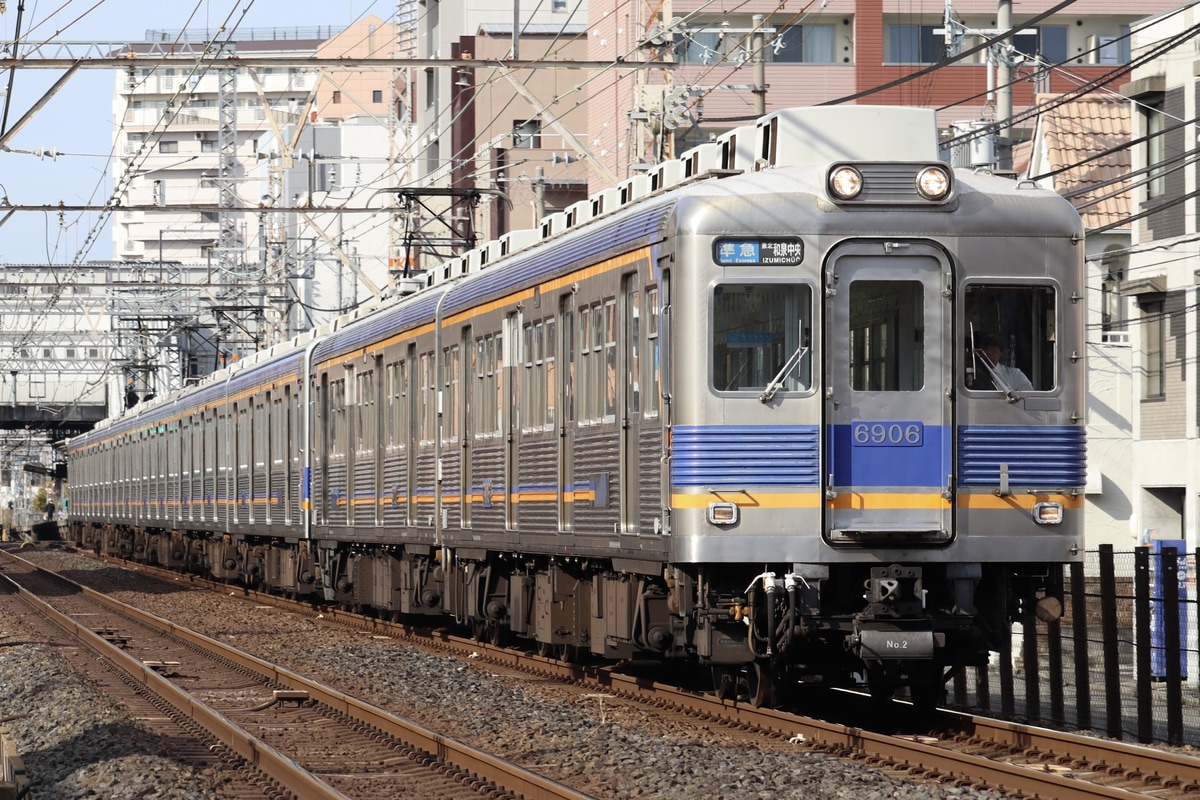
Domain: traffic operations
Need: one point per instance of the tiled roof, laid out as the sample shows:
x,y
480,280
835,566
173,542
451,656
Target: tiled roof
x,y
1088,136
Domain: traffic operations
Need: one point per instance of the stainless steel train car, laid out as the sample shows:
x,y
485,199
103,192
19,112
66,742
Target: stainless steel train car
x,y
805,405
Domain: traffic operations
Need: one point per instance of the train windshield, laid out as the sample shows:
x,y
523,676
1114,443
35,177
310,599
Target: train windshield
x,y
1010,338
758,329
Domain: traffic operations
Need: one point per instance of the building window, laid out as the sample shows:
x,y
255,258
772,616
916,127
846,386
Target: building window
x,y
208,145
796,44
1110,49
376,95
558,5
168,147
914,44
1049,42
1153,344
526,135
1112,314
1156,182
337,97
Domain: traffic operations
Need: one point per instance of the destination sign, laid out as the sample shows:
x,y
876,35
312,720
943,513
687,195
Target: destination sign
x,y
778,252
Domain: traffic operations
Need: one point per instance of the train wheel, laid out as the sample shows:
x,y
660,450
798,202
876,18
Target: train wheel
x,y
724,683
488,632
545,650
760,686
568,653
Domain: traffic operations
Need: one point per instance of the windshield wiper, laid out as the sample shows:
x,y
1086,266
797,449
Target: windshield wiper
x,y
776,383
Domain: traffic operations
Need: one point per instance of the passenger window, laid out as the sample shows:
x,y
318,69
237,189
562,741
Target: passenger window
x,y
762,332
1010,337
887,348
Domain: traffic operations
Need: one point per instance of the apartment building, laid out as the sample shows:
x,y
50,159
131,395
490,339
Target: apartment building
x,y
864,51
1160,281
204,144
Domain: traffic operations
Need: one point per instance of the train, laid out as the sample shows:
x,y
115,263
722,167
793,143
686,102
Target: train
x,y
805,405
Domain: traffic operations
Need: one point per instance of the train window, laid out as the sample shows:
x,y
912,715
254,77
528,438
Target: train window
x,y
761,332
539,390
337,418
598,362
887,352
393,404
450,413
1013,328
426,399
633,346
650,374
364,429
585,362
568,334
610,360
550,379
489,365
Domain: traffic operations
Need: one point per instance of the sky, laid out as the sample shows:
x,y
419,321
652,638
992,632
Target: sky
x,y
77,122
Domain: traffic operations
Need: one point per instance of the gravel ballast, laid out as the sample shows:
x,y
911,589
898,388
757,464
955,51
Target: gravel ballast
x,y
77,746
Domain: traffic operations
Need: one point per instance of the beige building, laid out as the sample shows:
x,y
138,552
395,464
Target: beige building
x,y
530,125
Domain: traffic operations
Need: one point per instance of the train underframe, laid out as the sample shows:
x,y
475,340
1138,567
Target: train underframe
x,y
757,631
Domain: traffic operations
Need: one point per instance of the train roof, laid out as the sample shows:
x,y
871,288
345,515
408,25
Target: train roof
x,y
783,152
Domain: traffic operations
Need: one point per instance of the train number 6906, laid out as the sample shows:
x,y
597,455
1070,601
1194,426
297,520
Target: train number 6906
x,y
888,434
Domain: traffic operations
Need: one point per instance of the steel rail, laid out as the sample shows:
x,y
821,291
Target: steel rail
x,y
903,753
524,783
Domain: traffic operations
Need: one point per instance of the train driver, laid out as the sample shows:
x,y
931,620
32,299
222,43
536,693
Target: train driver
x,y
994,351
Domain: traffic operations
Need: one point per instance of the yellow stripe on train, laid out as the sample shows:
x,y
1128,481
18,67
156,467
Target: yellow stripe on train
x,y
748,499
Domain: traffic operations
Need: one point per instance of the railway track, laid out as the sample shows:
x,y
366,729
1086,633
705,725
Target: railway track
x,y
959,749
296,736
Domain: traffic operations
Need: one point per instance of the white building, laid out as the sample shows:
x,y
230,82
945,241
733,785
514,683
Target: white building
x,y
1162,279
229,156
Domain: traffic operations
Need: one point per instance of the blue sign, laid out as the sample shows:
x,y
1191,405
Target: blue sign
x,y
776,252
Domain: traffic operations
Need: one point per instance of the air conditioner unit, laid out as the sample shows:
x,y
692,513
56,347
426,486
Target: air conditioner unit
x,y
199,135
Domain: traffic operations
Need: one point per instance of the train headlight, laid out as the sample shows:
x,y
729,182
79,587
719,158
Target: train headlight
x,y
845,182
933,183
1048,513
723,513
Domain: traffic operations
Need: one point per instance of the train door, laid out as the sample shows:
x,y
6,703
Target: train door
x,y
408,434
629,403
466,427
888,373
512,418
566,412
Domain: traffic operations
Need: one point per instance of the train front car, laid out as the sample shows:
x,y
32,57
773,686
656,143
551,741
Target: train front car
x,y
862,487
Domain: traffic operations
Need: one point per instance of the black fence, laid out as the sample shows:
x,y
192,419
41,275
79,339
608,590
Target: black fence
x,y
1120,661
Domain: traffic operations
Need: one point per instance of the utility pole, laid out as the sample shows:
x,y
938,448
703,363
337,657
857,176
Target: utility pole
x,y
539,195
1004,89
760,67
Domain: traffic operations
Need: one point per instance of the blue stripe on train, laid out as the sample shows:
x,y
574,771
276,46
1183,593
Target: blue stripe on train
x,y
735,455
890,463
1047,456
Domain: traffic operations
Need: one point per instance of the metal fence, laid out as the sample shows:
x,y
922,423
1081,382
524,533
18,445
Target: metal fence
x,y
1122,660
